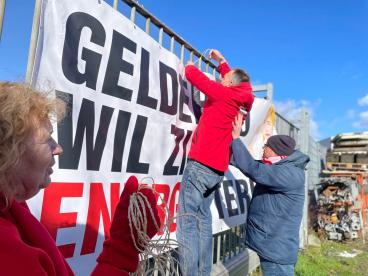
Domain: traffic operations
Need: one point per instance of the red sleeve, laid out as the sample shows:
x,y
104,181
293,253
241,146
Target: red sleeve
x,y
210,88
224,69
18,258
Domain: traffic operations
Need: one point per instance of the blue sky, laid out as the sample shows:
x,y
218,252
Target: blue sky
x,y
314,52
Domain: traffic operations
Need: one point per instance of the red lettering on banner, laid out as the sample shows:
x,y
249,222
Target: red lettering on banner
x,y
173,207
114,197
97,207
51,217
164,191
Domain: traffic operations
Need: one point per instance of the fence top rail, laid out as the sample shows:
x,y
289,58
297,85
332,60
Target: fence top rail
x,y
287,121
141,10
154,20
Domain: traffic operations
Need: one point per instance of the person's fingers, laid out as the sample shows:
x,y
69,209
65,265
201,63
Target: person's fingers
x,y
240,117
210,54
236,120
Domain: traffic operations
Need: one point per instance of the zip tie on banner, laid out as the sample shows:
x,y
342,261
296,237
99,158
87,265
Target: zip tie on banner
x,y
205,53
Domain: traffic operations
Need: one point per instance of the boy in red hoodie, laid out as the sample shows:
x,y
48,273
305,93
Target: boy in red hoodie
x,y
208,160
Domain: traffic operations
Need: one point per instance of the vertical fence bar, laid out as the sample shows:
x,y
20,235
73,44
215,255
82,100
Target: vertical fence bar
x,y
304,147
191,56
132,14
200,63
2,12
231,242
172,41
218,253
33,42
148,25
236,243
182,51
115,4
160,36
269,91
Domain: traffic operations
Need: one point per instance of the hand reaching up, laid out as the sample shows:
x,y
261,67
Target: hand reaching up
x,y
237,125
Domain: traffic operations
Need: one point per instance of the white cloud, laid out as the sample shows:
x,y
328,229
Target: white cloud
x,y
291,110
363,101
363,121
364,115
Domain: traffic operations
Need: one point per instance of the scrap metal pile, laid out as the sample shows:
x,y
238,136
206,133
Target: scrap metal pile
x,y
349,151
337,217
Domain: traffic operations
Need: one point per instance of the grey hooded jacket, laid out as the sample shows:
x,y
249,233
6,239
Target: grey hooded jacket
x,y
276,208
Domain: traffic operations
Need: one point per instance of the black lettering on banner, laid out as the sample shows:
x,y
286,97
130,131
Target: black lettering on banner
x,y
169,168
242,195
219,203
134,166
247,126
116,65
74,26
166,70
184,158
229,197
121,131
197,108
143,97
85,128
183,99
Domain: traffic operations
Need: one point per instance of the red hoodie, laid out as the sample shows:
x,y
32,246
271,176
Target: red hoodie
x,y
212,137
26,248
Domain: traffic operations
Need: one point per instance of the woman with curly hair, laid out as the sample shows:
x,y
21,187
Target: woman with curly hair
x,y
27,152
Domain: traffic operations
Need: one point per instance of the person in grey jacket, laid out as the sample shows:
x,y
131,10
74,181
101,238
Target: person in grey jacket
x,y
276,208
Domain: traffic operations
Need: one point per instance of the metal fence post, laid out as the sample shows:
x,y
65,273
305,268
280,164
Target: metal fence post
x,y
2,12
268,88
304,140
269,91
33,43
115,5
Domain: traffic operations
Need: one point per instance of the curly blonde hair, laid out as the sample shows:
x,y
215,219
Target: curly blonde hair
x,y
22,108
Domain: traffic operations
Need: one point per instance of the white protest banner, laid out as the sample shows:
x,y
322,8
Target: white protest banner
x,y
131,112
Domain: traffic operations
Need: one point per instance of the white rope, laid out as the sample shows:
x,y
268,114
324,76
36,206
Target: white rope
x,y
161,251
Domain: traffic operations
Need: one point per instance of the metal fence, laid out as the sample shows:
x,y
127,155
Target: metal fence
x,y
283,126
307,145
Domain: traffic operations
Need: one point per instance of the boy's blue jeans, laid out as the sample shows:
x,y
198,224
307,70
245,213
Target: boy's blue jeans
x,y
274,269
194,223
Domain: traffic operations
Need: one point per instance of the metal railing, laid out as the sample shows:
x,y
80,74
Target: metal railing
x,y
283,126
